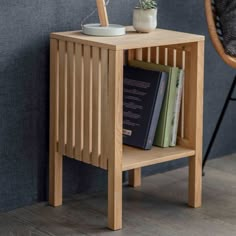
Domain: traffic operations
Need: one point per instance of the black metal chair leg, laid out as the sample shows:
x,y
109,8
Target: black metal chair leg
x,y
228,99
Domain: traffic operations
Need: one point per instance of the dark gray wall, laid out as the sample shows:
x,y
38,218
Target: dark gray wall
x,y
24,82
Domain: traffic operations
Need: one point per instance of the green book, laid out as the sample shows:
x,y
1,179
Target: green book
x,y
163,131
176,112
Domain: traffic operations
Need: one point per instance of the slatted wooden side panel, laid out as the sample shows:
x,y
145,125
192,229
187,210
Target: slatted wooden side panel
x,y
85,76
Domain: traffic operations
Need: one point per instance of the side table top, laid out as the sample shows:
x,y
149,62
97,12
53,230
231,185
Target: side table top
x,y
132,40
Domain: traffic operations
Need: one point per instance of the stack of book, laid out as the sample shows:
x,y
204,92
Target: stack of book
x,y
152,101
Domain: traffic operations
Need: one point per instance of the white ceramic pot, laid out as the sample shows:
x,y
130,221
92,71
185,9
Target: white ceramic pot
x,y
145,21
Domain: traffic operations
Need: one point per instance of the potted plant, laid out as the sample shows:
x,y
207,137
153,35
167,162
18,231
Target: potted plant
x,y
145,16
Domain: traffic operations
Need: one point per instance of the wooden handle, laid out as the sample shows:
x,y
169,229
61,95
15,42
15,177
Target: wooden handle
x,y
102,12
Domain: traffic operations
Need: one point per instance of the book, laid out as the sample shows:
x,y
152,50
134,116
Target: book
x,y
143,97
163,131
176,113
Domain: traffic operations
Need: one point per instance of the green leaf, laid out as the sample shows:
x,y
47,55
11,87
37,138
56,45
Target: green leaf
x,y
147,4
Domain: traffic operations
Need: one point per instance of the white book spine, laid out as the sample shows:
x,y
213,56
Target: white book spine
x,y
176,112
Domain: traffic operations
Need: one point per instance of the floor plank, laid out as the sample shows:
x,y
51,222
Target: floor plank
x,y
158,207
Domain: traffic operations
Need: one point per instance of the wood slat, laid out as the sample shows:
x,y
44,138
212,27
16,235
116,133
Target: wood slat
x,y
70,100
166,57
104,108
157,55
170,58
96,150
183,97
145,54
87,105
79,102
131,54
180,62
139,54
55,159
149,54
179,59
175,58
53,95
62,96
154,55
186,133
162,55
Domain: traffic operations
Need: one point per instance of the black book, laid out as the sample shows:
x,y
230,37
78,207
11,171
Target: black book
x,y
144,92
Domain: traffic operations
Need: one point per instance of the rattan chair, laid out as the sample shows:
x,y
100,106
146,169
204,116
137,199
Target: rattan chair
x,y
215,31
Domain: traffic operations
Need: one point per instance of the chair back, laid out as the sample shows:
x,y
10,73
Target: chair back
x,y
215,32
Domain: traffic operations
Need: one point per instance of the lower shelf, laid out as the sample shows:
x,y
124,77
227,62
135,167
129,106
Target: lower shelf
x,y
135,158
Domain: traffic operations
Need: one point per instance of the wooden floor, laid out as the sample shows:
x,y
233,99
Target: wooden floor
x,y
157,208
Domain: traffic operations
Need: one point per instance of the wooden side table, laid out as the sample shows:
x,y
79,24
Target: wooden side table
x,y
86,103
